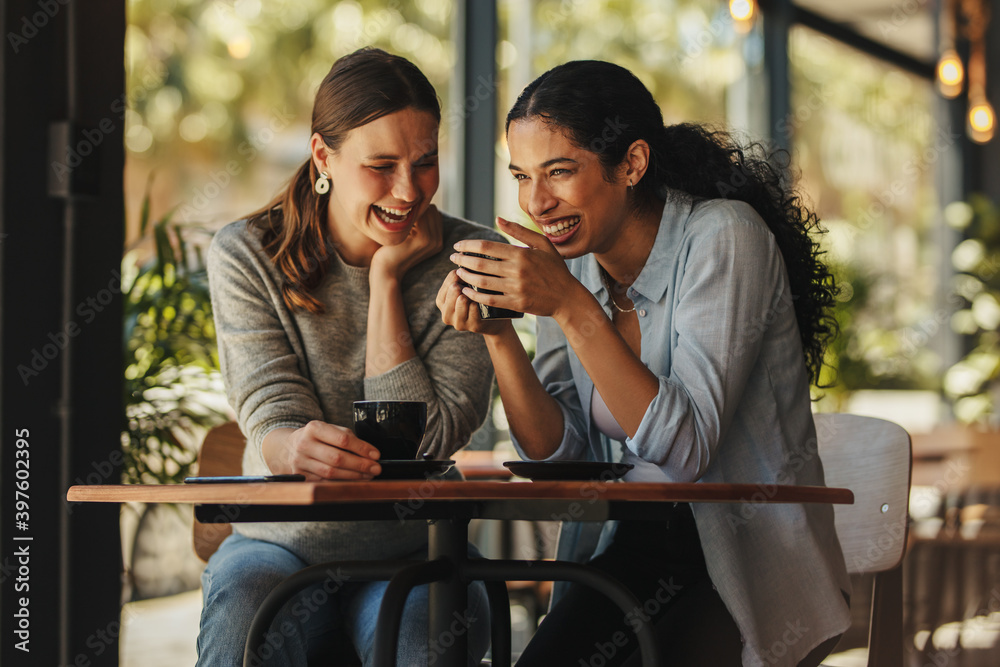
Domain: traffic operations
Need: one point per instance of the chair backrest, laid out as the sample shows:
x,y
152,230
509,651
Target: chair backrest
x,y
872,458
221,454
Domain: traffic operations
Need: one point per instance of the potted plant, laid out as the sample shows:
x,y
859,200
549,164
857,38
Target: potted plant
x,y
173,393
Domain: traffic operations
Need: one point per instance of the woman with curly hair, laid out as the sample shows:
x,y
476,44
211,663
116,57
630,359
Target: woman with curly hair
x,y
682,311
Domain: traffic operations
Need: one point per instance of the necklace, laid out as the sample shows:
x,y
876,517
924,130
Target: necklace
x,y
606,278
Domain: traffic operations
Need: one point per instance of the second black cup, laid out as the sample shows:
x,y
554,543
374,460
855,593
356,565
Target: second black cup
x,y
491,312
395,428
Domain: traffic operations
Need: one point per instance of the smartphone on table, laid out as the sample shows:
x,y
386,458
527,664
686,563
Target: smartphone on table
x,y
244,479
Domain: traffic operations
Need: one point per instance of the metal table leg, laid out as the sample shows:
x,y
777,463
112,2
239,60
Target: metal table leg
x,y
448,571
447,540
431,572
447,549
496,592
390,613
501,570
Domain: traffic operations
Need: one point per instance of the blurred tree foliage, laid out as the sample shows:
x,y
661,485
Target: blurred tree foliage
x,y
972,382
872,351
686,52
867,145
203,72
172,382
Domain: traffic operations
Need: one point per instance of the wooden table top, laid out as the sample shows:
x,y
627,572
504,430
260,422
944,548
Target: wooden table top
x,y
436,490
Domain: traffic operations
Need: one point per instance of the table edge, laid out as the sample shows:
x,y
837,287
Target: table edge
x,y
434,490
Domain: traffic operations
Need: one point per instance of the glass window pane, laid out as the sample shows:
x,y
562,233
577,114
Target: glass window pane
x,y
687,52
219,94
868,145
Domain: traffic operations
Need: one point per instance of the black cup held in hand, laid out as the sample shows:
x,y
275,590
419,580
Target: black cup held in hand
x,y
395,428
491,312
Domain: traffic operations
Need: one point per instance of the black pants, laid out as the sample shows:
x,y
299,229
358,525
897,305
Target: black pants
x,y
662,563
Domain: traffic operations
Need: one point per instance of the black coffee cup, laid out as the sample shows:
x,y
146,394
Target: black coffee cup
x,y
490,312
394,428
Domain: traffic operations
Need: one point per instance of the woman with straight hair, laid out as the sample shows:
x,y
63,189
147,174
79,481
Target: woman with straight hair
x,y
323,297
682,310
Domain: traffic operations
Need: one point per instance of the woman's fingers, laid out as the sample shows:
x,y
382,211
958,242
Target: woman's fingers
x,y
531,279
327,451
495,249
342,438
330,462
529,237
442,296
317,470
480,281
455,309
462,312
503,259
447,295
492,267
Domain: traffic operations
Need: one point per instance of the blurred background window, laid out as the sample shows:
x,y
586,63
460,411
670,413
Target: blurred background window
x,y
687,52
868,147
220,95
220,92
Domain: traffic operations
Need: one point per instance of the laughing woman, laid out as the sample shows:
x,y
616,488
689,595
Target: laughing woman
x,y
682,312
324,297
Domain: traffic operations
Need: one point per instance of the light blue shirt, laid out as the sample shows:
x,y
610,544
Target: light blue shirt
x,y
718,328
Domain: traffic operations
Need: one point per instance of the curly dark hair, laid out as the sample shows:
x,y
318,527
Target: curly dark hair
x,y
604,108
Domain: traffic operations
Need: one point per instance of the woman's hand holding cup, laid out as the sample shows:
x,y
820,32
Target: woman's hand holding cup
x,y
461,312
532,279
320,451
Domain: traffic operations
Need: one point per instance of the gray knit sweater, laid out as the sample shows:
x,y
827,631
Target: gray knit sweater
x,y
284,368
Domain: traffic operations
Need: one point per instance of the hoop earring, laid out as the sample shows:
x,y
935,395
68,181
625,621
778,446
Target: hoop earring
x,y
322,184
630,185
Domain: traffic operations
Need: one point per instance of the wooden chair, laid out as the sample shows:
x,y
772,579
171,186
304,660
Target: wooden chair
x,y
872,458
221,454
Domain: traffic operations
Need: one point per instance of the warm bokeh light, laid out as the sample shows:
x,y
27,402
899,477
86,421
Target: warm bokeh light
x,y
742,10
982,121
240,47
950,74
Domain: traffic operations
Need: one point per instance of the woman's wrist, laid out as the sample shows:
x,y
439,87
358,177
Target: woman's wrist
x,y
580,312
389,341
381,279
503,339
274,452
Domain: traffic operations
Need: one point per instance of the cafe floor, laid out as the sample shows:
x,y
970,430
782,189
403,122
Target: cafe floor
x,y
161,632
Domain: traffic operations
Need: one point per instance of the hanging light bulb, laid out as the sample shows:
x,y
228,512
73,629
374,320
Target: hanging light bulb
x,y
742,10
982,120
950,74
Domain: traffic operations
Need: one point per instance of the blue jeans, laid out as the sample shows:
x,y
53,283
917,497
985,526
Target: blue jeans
x,y
243,571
